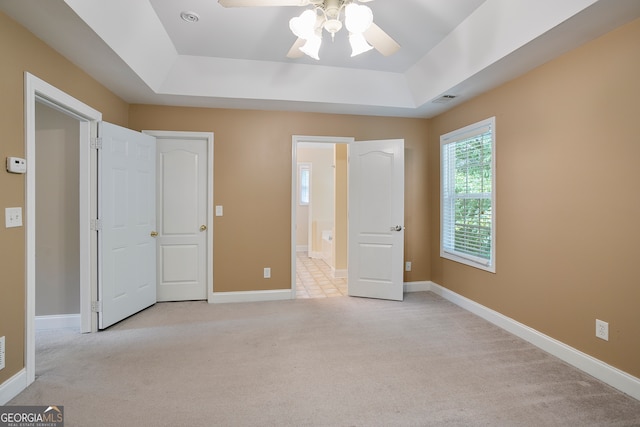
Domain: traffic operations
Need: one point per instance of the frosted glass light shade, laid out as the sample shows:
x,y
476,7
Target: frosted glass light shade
x,y
303,26
312,46
357,18
358,44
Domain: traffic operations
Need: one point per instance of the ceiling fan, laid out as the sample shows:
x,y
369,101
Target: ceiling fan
x,y
364,34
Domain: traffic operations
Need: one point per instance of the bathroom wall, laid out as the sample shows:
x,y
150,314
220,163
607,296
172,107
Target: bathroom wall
x,y
321,210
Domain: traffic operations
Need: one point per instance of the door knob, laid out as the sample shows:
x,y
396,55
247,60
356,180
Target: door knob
x,y
396,228
154,233
203,227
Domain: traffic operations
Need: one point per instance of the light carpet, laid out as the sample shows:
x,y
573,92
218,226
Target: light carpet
x,y
315,362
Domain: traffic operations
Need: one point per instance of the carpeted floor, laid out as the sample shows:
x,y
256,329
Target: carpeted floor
x,y
315,362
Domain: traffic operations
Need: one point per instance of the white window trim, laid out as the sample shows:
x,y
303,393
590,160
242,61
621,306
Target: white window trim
x,y
458,135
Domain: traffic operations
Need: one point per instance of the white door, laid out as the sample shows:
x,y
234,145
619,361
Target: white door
x,y
182,215
376,218
127,210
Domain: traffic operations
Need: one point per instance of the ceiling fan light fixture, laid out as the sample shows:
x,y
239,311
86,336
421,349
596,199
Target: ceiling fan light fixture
x,y
332,26
357,18
304,26
358,44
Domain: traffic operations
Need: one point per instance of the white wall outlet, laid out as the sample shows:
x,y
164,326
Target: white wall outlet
x,y
13,217
407,266
2,352
602,330
267,273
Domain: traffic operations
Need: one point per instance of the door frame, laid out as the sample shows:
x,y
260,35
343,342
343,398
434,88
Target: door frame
x,y
37,90
208,136
295,139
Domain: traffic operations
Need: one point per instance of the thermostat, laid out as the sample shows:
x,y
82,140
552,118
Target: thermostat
x,y
16,165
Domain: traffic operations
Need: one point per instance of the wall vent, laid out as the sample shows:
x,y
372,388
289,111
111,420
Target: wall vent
x,y
444,99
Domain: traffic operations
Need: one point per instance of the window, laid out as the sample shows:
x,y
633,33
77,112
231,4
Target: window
x,y
304,183
467,197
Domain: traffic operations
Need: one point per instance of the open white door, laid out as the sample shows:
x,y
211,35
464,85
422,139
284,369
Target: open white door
x,y
376,218
126,210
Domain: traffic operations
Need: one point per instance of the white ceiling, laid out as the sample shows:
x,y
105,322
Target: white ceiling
x,y
236,57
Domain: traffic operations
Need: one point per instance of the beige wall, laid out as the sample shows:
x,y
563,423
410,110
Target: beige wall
x,y
255,231
21,52
568,199
57,213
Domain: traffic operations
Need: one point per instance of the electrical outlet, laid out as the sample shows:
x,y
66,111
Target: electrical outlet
x,y
407,266
267,273
602,330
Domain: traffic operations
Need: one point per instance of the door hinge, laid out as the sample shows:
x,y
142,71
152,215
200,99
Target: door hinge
x,y
96,224
96,306
96,143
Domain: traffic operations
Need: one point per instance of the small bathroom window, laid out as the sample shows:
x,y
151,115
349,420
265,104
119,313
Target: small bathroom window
x,y
304,180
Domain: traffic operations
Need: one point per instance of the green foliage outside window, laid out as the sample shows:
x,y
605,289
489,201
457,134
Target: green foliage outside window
x,y
473,179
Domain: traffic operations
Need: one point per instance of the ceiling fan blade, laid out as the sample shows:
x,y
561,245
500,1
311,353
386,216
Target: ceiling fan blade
x,y
381,40
253,3
295,51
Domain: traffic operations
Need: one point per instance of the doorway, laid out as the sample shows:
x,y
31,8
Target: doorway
x,y
57,220
319,197
38,91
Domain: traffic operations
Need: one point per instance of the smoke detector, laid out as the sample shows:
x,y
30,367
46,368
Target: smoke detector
x,y
189,16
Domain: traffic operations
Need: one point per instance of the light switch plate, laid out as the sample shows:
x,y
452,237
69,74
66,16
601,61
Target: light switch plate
x,y
13,217
218,210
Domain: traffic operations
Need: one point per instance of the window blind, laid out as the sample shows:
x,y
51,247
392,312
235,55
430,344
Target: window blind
x,y
467,194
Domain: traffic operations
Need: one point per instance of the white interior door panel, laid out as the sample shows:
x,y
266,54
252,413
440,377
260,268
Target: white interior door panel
x,y
127,211
376,219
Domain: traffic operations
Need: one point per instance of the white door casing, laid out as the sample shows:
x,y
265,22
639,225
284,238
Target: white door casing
x,y
126,209
37,90
182,215
376,219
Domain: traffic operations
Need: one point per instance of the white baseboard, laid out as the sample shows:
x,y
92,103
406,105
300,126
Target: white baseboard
x,y
251,296
339,273
417,286
58,321
613,376
315,254
302,248
13,386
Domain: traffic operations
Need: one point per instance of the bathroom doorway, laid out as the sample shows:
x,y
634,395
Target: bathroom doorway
x,y
320,262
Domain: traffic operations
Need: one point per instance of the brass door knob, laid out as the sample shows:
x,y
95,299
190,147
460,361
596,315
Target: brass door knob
x,y
203,227
154,233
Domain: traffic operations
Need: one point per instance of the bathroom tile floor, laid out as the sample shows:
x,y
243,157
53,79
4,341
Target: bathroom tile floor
x,y
314,279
